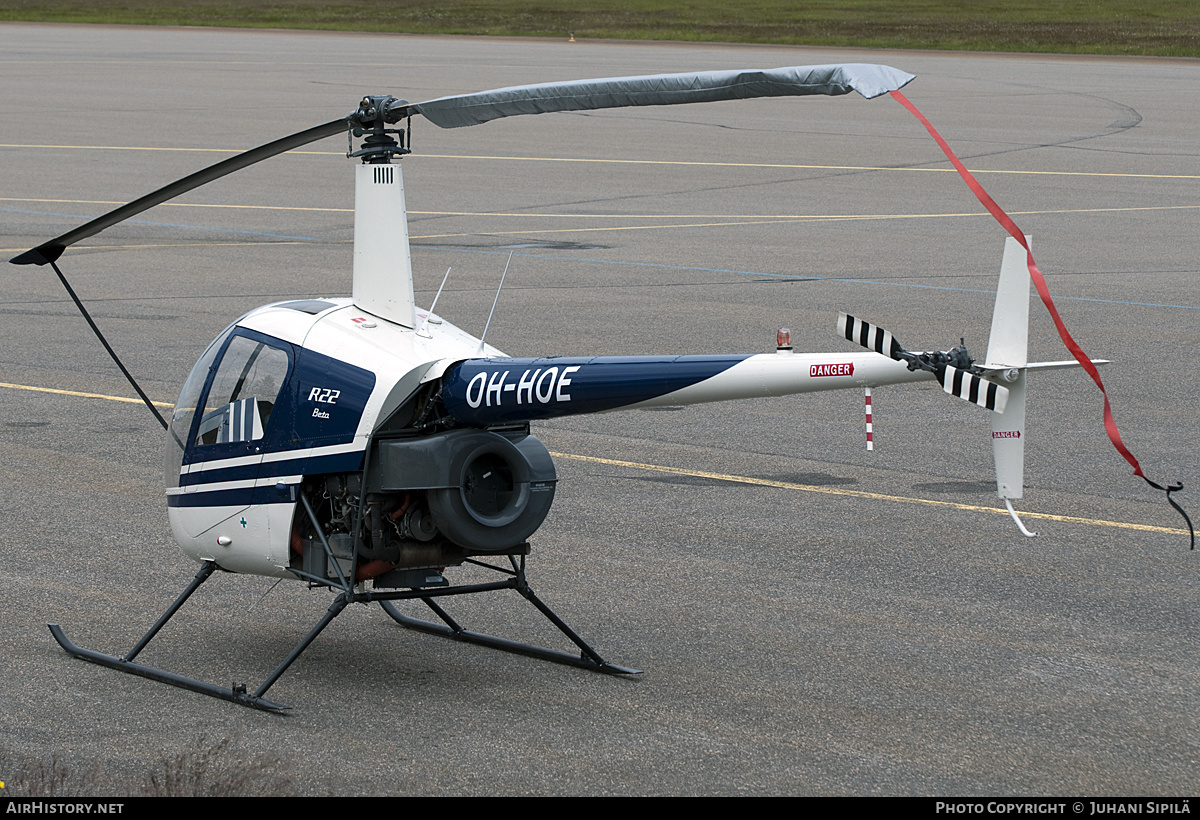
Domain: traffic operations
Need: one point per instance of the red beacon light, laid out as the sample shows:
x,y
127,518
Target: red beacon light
x,y
783,340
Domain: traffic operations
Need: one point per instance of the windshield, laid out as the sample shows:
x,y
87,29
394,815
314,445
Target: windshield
x,y
185,409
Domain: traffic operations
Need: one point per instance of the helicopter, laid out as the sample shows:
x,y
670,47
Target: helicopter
x,y
365,445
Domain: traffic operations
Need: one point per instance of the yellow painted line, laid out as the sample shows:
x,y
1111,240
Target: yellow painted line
x,y
151,148
82,395
736,479
801,219
749,218
901,169
601,230
740,220
794,217
187,245
811,488
790,217
178,205
523,214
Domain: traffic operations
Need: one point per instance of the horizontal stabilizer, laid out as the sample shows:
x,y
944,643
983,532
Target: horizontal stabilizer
x,y
1007,371
1062,365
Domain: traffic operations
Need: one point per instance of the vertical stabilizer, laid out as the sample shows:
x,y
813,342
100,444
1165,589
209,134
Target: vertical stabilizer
x,y
1009,341
1008,349
382,266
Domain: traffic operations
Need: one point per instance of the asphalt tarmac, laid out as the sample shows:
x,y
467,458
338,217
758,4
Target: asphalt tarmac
x,y
812,618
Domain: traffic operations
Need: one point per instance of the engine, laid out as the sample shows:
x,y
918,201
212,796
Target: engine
x,y
428,502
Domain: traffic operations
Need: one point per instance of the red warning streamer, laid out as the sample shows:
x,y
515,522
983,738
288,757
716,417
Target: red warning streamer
x,y
1039,282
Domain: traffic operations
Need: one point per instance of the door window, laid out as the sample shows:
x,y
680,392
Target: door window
x,y
243,393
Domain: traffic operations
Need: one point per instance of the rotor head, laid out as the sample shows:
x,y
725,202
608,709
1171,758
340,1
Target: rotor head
x,y
370,120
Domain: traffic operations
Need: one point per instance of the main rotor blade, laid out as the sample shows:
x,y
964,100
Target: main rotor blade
x,y
50,251
473,109
661,89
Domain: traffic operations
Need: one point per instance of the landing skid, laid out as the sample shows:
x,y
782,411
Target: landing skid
x,y
239,694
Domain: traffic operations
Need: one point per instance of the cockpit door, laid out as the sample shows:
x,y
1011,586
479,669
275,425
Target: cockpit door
x,y
225,436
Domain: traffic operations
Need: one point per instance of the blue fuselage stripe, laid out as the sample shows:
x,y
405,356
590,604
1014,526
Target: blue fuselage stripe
x,y
236,497
309,465
480,392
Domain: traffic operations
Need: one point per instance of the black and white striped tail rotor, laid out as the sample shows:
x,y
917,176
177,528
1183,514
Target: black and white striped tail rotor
x,y
950,367
869,336
969,387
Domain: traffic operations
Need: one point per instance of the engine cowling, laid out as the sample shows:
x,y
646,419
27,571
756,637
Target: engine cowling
x,y
487,492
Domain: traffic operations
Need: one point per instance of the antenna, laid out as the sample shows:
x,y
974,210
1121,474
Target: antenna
x,y
495,301
421,330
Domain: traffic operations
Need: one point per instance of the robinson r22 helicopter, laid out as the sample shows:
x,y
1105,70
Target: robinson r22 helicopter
x,y
365,445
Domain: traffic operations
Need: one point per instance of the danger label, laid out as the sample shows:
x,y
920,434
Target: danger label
x,y
1006,434
842,369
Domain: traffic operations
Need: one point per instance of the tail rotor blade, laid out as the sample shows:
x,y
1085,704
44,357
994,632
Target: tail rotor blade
x,y
869,336
969,387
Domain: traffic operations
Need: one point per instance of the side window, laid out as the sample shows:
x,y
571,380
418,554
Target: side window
x,y
243,393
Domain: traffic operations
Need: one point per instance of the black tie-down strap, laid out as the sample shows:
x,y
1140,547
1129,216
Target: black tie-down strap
x,y
1168,490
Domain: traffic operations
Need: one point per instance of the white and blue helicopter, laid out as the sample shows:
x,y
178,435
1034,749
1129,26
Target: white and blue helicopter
x,y
365,445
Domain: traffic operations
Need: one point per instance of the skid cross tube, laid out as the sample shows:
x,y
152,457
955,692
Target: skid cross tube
x,y
587,658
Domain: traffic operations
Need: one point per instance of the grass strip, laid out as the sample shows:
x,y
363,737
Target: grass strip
x,y
1147,27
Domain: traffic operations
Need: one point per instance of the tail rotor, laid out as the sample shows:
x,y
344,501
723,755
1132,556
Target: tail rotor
x,y
954,369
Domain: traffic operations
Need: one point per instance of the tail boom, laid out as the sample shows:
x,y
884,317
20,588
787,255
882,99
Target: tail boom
x,y
482,392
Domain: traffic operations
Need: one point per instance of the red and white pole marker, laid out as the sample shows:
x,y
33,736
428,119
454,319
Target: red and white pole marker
x,y
870,433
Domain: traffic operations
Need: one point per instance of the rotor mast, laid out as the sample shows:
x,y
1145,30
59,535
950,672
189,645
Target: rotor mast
x,y
382,263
